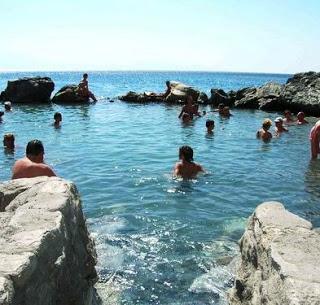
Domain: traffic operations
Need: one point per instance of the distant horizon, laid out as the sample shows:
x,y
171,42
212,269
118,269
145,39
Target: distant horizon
x,y
144,70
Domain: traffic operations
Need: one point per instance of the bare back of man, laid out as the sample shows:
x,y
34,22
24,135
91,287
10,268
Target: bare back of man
x,y
25,168
187,170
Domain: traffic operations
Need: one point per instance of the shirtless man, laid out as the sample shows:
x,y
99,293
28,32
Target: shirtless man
x,y
264,133
83,88
187,169
188,107
33,164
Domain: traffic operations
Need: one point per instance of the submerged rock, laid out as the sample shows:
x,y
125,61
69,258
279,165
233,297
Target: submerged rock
x,y
28,90
47,255
279,260
68,95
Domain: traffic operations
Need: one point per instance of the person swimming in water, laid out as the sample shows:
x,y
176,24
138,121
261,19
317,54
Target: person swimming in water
x,y
7,106
57,120
225,112
300,119
315,140
83,88
288,117
264,133
279,126
210,126
186,168
8,141
33,164
188,107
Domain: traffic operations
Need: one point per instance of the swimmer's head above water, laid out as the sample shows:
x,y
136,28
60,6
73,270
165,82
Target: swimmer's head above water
x,y
266,124
35,151
186,153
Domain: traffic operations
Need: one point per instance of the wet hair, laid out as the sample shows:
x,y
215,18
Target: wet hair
x,y
57,115
186,115
34,148
266,123
186,152
85,75
1,113
8,137
221,105
209,123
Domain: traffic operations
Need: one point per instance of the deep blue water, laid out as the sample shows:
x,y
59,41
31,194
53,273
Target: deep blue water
x,y
160,240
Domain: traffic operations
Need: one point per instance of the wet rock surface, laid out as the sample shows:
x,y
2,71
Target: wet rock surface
x,y
68,95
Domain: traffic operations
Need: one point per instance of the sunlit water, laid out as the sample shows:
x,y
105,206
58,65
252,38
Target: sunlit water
x,y
160,240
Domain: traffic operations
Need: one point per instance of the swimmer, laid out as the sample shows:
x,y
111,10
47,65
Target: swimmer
x,y
300,119
188,107
33,164
187,169
57,119
8,141
315,140
210,126
279,126
7,106
225,112
1,115
287,117
264,133
83,88
186,118
219,109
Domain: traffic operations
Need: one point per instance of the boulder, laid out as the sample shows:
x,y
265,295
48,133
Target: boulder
x,y
28,90
302,93
180,91
219,96
279,260
134,97
46,253
68,95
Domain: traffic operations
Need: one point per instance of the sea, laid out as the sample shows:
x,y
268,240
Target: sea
x,y
162,240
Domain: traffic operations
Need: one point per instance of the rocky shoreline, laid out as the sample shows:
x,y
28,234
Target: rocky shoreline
x,y
47,255
300,93
279,260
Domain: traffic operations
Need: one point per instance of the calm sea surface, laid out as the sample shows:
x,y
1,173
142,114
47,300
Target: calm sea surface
x,y
159,240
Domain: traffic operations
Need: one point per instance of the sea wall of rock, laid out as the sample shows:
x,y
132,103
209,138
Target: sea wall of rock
x,y
46,253
279,260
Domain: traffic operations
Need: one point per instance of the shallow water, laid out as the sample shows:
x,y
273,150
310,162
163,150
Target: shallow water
x,y
159,240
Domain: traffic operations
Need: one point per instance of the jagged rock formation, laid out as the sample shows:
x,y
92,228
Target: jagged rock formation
x,y
46,253
28,90
179,93
279,260
68,95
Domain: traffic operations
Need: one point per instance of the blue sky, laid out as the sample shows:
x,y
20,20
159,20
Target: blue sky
x,y
211,35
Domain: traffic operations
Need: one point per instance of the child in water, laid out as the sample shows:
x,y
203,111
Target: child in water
x,y
264,133
186,168
210,126
57,119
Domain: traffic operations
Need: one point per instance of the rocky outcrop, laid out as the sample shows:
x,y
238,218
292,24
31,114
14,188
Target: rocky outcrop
x,y
68,95
279,260
28,90
219,96
47,255
179,93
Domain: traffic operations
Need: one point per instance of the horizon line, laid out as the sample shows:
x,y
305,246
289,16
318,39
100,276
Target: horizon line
x,y
145,70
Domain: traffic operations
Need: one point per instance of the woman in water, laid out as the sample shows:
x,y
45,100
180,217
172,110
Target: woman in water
x,y
186,168
314,140
287,117
188,107
300,119
279,127
264,133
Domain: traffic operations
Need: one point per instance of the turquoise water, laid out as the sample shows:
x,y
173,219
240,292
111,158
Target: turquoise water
x,y
160,240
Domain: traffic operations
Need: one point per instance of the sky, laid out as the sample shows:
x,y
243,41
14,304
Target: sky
x,y
271,36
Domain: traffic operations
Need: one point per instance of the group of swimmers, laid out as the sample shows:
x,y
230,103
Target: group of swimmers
x,y
33,164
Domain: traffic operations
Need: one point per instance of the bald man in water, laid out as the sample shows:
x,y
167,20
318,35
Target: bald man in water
x,y
33,164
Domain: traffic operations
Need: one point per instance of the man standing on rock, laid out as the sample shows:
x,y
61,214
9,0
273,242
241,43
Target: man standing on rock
x,y
33,164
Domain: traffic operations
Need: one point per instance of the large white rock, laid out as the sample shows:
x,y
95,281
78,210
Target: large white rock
x,y
46,253
280,255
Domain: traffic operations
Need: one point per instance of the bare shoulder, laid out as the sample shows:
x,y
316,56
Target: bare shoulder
x,y
199,167
43,169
